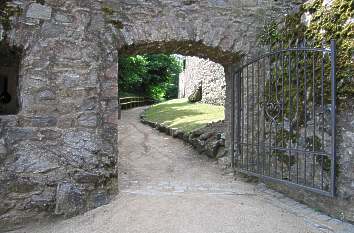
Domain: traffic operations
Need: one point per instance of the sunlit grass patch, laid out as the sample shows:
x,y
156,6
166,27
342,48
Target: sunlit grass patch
x,y
184,115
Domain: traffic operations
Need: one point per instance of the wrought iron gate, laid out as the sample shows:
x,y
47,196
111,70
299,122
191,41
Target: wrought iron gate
x,y
284,117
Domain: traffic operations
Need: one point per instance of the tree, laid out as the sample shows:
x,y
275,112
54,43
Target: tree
x,y
154,75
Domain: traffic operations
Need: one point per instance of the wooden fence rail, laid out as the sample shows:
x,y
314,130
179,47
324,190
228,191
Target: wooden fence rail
x,y
133,102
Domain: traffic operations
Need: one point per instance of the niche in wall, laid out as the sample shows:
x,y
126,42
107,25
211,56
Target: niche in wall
x,y
10,58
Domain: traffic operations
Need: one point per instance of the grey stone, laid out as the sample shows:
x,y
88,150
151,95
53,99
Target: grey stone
x,y
43,201
50,134
38,11
88,120
46,95
86,177
62,18
196,133
205,136
3,149
69,199
15,134
196,95
31,159
44,121
51,30
101,199
89,104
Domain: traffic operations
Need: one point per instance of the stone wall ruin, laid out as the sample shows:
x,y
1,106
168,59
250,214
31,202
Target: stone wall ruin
x,y
208,74
58,154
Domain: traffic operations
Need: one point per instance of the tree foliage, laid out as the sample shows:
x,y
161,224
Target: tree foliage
x,y
154,75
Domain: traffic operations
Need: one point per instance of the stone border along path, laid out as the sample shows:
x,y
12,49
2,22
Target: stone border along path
x,y
167,187
205,141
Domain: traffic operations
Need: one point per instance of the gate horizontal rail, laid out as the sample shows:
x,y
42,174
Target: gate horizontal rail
x,y
283,125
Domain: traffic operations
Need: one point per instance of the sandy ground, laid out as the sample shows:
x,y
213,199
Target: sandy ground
x,y
167,187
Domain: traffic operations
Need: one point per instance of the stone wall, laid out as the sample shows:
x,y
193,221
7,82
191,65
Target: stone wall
x,y
59,153
208,74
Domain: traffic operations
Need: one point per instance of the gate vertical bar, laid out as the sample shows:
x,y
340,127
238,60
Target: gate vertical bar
x,y
238,109
333,116
232,131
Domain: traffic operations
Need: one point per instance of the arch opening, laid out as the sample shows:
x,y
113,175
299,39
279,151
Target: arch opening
x,y
215,60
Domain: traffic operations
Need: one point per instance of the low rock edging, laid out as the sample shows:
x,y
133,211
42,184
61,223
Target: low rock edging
x,y
209,140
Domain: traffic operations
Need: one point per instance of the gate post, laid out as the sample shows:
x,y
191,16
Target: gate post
x,y
232,131
333,117
238,109
233,75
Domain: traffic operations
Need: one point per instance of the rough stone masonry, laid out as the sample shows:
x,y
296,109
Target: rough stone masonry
x,y
58,155
207,74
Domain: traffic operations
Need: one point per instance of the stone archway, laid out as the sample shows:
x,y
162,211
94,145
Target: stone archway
x,y
216,29
58,155
222,31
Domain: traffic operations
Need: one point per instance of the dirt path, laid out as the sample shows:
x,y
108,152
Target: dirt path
x,y
166,187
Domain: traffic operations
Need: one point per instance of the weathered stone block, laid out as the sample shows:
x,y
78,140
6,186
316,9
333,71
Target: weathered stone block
x,y
3,150
33,159
46,95
88,120
50,134
205,136
89,104
100,199
196,96
14,135
69,199
43,201
45,121
38,11
86,177
62,18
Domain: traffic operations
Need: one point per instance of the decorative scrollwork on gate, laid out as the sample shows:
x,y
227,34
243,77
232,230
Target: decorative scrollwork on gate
x,y
272,110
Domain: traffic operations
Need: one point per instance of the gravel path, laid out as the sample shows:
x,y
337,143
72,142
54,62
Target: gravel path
x,y
166,187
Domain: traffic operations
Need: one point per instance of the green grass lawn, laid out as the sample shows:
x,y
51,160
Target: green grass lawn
x,y
183,115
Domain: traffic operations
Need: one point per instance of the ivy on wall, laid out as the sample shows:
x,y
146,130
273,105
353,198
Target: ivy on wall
x,y
316,22
334,20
